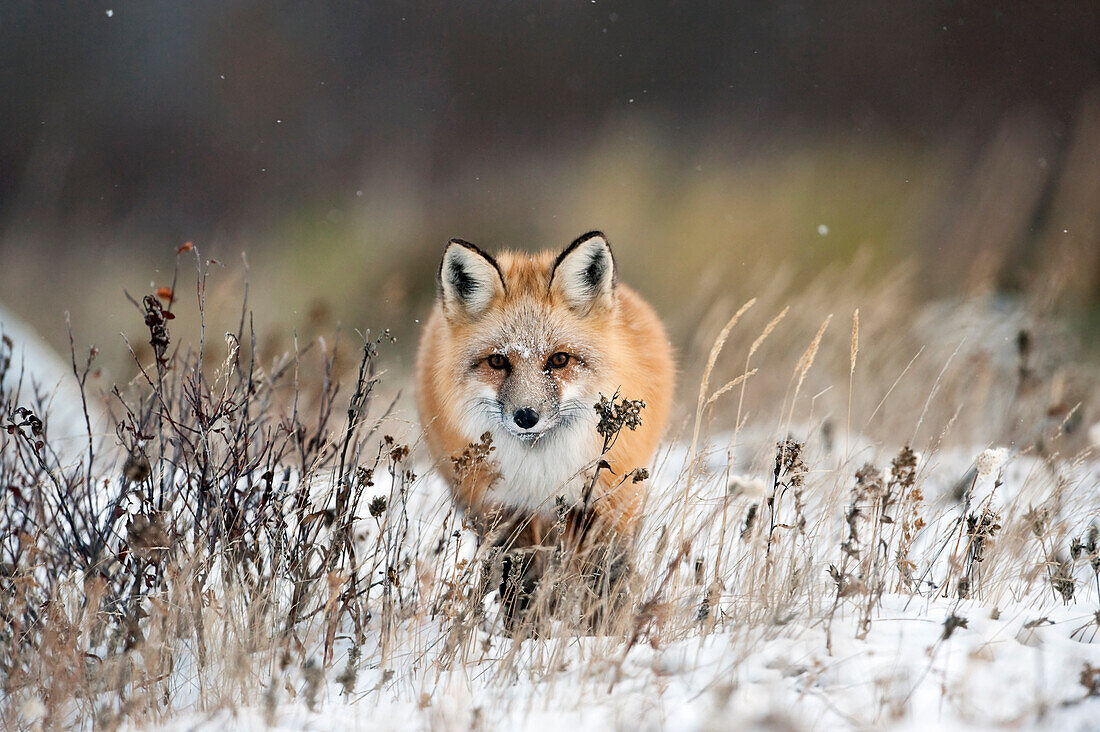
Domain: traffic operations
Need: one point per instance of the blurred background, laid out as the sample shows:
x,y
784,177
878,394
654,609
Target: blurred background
x,y
939,150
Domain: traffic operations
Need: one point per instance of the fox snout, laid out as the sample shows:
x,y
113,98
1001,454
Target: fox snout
x,y
528,400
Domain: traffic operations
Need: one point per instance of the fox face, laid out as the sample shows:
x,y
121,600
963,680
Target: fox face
x,y
532,361
522,347
531,387
532,367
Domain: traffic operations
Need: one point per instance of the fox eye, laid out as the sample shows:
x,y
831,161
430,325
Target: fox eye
x,y
559,360
497,361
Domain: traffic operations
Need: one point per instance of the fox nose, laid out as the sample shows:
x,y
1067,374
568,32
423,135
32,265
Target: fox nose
x,y
526,418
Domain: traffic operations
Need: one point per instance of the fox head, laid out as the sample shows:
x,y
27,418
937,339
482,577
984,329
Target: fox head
x,y
531,334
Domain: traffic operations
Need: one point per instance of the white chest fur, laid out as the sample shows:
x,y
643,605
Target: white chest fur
x,y
532,476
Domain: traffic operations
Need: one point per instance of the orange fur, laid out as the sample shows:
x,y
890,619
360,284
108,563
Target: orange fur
x,y
618,344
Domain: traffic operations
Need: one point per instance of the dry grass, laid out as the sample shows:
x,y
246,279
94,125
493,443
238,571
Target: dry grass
x,y
257,535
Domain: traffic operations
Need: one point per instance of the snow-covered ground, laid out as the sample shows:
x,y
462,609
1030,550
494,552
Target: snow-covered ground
x,y
1013,654
775,647
904,675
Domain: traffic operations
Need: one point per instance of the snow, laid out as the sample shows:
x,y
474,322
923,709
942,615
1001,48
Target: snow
x,y
36,369
993,672
1012,656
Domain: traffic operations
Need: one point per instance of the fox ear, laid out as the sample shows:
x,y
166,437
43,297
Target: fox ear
x,y
584,274
468,279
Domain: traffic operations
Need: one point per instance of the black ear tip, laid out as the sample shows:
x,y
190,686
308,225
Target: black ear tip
x,y
453,243
471,247
594,234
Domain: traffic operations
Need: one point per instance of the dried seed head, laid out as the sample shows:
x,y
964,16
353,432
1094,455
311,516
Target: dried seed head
x,y
990,461
377,506
156,318
789,463
808,357
616,413
136,468
981,529
903,469
719,342
870,482
1061,578
767,331
854,351
1036,519
474,456
147,536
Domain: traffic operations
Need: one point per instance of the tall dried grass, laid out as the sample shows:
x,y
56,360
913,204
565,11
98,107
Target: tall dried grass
x,y
254,532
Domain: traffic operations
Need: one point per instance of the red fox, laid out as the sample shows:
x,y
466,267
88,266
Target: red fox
x,y
520,348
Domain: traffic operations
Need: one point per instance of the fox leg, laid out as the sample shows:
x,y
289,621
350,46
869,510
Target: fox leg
x,y
516,547
602,558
